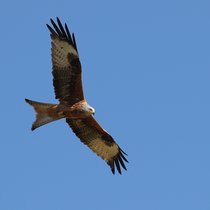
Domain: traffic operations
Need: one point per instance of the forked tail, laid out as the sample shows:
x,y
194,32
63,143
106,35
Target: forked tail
x,y
44,113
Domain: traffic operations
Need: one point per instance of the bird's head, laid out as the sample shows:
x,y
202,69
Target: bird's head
x,y
91,110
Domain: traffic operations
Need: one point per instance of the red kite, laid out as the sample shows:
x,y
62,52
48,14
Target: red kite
x,y
73,106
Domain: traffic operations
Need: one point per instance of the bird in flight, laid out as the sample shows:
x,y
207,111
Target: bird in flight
x,y
67,82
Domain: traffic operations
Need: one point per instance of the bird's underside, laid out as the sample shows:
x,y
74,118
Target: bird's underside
x,y
73,106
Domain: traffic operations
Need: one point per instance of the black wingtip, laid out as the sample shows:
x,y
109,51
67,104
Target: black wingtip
x,y
51,30
74,42
113,171
118,162
111,164
122,163
68,34
123,151
62,32
117,165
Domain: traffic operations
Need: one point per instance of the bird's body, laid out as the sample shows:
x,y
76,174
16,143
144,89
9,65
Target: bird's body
x,y
73,106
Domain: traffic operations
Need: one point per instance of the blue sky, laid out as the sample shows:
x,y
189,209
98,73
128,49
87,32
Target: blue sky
x,y
146,71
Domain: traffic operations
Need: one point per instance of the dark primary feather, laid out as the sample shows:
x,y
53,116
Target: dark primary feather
x,y
118,161
66,65
74,41
99,141
61,27
63,34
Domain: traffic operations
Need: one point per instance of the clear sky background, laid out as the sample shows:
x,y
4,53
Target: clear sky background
x,y
146,70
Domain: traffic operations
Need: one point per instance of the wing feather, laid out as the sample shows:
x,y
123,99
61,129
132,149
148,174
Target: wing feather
x,y
67,70
74,41
99,141
56,28
63,32
68,33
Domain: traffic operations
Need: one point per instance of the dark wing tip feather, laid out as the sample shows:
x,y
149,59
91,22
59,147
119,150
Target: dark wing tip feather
x,y
60,35
74,41
111,164
118,162
61,32
122,163
68,34
122,155
122,151
117,165
52,31
61,27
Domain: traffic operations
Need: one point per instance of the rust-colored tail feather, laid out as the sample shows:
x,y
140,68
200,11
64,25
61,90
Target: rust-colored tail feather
x,y
42,113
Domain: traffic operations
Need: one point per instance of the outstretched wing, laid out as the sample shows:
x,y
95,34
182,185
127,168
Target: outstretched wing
x,y
99,141
66,65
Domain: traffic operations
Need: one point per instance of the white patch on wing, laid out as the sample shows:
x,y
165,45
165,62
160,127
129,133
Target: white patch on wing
x,y
102,149
60,51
